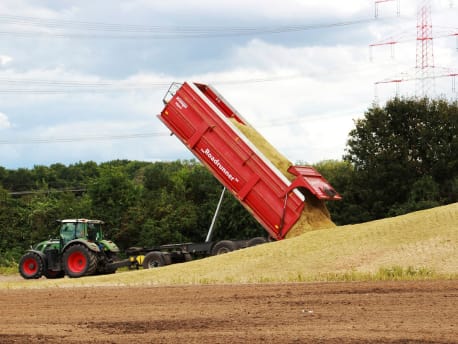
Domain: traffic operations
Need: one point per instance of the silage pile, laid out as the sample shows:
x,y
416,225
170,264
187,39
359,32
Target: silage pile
x,y
315,214
424,243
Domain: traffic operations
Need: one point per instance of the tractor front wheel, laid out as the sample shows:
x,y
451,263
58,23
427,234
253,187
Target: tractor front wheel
x,y
79,261
31,266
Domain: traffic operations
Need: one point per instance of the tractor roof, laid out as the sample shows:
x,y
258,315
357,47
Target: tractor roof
x,y
81,220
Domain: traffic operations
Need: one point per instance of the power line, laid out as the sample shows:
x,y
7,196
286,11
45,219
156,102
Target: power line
x,y
65,91
78,83
25,141
166,29
98,30
22,141
37,86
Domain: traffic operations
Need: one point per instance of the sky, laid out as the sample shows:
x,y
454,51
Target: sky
x,y
84,80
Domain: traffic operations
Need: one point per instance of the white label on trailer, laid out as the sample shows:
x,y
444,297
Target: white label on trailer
x,y
207,152
180,103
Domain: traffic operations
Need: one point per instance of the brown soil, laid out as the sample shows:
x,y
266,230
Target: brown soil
x,y
389,312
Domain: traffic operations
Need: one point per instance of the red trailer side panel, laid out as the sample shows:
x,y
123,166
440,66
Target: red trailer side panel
x,y
206,130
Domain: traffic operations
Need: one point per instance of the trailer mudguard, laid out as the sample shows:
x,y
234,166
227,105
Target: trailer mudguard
x,y
109,245
41,255
90,245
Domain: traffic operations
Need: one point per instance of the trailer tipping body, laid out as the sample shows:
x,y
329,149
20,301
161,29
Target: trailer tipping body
x,y
203,120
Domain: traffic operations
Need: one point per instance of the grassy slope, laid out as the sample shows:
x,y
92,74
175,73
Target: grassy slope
x,y
424,241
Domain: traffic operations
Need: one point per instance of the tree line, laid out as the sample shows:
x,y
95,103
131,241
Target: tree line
x,y
399,158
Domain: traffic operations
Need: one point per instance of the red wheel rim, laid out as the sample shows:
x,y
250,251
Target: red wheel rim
x,y
30,266
77,262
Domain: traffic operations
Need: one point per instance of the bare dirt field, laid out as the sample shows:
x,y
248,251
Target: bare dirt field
x,y
362,312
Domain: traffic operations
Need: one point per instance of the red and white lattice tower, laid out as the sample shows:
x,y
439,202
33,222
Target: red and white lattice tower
x,y
425,56
425,71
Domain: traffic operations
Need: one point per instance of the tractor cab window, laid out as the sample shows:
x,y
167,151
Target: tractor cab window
x,y
79,233
67,232
94,232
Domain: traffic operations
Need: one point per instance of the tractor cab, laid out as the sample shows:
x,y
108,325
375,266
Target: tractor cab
x,y
90,230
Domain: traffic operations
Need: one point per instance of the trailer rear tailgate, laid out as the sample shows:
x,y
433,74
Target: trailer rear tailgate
x,y
311,179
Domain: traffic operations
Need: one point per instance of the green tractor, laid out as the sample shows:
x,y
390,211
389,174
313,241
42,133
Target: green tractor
x,y
81,250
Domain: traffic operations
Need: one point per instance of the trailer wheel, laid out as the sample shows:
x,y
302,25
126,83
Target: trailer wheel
x,y
187,257
167,258
223,246
256,241
153,260
79,261
31,266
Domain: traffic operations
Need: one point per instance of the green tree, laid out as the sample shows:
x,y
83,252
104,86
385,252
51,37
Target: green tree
x,y
10,233
112,194
20,180
341,175
394,147
234,221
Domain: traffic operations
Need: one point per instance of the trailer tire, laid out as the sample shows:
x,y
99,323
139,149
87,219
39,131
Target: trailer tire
x,y
167,258
223,246
256,241
31,266
153,259
187,257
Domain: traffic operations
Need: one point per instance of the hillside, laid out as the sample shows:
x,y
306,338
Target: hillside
x,y
424,242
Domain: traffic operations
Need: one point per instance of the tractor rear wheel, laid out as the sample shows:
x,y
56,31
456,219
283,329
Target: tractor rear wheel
x,y
31,266
79,261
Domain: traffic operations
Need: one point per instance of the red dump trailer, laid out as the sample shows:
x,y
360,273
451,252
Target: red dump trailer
x,y
203,120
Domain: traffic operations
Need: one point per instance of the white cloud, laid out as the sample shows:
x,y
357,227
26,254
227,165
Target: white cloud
x,y
4,60
4,122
